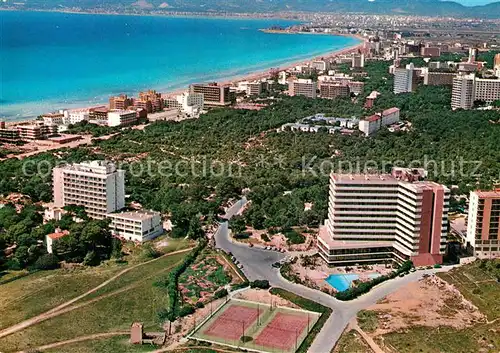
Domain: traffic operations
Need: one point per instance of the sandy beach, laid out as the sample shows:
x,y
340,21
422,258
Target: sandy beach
x,y
252,76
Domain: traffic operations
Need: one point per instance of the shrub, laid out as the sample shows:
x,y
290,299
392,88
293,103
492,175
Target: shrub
x,y
220,293
243,235
240,285
245,339
199,305
91,259
186,310
264,237
294,237
47,262
262,284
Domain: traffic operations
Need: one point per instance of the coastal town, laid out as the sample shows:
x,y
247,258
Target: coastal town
x,y
346,203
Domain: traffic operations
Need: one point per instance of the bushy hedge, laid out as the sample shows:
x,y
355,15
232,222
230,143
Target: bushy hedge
x,y
240,285
221,293
186,310
173,278
364,287
262,284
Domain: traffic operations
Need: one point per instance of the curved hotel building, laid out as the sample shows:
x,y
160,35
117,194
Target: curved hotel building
x,y
381,218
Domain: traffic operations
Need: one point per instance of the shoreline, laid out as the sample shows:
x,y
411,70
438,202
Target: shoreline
x,y
257,75
259,72
181,14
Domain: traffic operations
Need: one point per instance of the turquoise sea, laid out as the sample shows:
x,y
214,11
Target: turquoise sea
x,y
52,61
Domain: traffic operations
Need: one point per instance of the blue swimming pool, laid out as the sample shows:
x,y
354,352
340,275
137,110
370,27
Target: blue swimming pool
x,y
341,281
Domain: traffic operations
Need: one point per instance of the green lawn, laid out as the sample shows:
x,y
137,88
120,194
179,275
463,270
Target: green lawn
x,y
351,342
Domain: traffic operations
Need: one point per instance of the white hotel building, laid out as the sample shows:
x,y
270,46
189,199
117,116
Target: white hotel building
x,y
384,218
97,185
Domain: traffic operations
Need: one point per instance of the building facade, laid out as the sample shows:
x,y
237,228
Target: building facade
x,y
136,226
302,87
468,88
121,102
98,186
404,79
432,78
483,227
121,117
213,94
333,90
384,218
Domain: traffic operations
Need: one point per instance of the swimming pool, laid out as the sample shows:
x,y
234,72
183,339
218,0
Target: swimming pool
x,y
341,281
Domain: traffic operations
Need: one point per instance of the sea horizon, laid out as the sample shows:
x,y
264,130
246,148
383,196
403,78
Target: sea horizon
x,y
68,72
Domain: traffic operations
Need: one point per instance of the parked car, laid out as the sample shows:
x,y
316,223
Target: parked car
x,y
276,265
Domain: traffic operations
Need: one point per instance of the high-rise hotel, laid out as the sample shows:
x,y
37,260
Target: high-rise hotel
x,y
381,218
98,186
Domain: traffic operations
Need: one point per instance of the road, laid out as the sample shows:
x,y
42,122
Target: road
x,y
257,265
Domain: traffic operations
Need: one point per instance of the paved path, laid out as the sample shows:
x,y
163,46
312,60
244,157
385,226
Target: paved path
x,y
66,307
257,265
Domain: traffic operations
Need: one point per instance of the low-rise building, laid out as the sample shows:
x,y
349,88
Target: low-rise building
x,y
375,122
50,238
121,117
53,119
136,226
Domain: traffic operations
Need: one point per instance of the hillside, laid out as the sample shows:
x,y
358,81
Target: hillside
x,y
414,7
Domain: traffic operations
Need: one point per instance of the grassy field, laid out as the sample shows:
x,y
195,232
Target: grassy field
x,y
479,285
351,342
131,297
480,338
38,292
477,282
367,320
117,344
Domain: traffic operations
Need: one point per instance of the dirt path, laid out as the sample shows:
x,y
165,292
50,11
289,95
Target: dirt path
x,y
374,346
63,308
79,339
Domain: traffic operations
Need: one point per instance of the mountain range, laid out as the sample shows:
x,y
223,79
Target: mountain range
x,y
401,7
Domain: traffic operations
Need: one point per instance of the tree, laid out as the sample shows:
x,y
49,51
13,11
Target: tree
x,y
47,262
237,224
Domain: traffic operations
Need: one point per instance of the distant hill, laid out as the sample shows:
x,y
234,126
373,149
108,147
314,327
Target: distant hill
x,y
410,7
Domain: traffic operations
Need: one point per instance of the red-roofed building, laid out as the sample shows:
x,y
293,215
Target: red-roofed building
x,y
50,238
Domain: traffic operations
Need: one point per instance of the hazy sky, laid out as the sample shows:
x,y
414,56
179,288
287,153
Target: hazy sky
x,y
474,2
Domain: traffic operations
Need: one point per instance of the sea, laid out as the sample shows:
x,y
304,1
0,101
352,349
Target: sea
x,y
51,60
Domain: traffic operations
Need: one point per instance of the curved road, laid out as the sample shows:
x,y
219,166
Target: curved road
x,y
257,265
